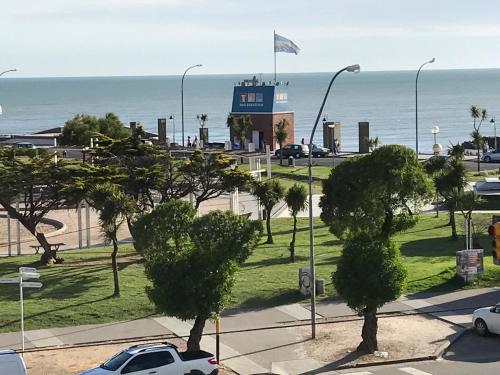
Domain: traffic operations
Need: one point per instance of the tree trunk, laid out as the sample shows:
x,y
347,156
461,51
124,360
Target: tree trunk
x,y
478,161
114,265
453,225
369,333
48,256
268,227
130,226
281,154
292,244
193,344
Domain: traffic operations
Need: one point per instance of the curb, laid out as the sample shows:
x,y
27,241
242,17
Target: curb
x,y
443,349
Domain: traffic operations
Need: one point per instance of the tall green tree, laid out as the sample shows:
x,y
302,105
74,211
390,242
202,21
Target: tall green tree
x,y
280,133
296,200
82,127
369,274
38,183
191,262
450,183
114,207
478,115
240,126
377,193
367,200
211,174
269,192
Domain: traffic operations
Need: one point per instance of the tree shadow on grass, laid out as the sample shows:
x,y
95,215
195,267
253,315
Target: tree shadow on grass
x,y
274,261
430,247
68,283
27,318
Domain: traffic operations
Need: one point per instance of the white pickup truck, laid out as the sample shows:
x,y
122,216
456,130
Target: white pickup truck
x,y
157,359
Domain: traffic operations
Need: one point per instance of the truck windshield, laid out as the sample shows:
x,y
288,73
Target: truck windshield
x,y
116,362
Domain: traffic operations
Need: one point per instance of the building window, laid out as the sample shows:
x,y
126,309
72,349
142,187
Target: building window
x,y
251,97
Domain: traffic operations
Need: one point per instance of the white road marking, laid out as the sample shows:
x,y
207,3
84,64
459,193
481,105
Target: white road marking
x,y
413,371
359,373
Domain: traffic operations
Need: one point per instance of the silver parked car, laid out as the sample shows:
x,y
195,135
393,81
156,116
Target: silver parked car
x,y
493,155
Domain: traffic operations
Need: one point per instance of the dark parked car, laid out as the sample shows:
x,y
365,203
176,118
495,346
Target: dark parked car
x,y
319,152
297,151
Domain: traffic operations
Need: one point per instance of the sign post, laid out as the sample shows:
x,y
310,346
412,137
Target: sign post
x,y
25,273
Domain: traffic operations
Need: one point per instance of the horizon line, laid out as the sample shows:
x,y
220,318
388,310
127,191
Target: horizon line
x,y
13,77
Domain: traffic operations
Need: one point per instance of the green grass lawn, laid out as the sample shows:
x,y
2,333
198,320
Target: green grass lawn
x,y
291,175
78,291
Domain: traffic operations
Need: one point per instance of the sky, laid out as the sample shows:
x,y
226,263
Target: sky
x,y
47,38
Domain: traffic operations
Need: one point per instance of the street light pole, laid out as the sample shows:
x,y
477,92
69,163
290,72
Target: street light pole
x,y
334,146
172,117
492,121
182,96
353,69
8,71
416,102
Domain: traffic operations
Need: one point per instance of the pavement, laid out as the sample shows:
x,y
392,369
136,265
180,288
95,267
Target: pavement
x,y
254,341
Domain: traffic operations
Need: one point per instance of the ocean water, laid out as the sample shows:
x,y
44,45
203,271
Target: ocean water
x,y
385,99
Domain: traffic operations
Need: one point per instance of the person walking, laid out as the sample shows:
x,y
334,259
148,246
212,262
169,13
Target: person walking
x,y
334,147
189,141
303,141
195,143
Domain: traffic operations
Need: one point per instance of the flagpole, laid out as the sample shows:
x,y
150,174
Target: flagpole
x,y
274,48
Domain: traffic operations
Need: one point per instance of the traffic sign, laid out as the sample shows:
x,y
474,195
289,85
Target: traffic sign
x,y
27,269
32,285
30,275
9,281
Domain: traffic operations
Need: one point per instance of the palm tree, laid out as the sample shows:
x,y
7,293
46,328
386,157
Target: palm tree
x,y
280,133
203,118
296,200
114,206
240,126
270,192
456,151
373,143
480,115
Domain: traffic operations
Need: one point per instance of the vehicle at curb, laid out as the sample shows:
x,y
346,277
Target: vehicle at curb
x,y
493,155
319,152
157,359
11,363
487,320
294,150
25,145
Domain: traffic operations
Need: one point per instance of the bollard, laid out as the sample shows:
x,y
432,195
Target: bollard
x,y
291,161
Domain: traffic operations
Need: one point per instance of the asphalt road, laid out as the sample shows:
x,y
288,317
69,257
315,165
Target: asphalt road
x,y
471,354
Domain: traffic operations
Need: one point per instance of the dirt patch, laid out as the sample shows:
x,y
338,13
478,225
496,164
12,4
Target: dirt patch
x,y
401,337
70,361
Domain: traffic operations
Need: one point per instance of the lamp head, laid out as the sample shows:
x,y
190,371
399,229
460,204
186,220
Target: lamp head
x,y
492,120
435,129
432,60
171,117
198,65
354,68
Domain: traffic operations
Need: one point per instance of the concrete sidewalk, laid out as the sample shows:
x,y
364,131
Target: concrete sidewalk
x,y
256,341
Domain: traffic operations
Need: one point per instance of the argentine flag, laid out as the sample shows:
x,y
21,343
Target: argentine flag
x,y
282,44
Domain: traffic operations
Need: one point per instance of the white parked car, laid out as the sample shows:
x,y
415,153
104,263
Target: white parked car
x,y
487,320
11,363
157,359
